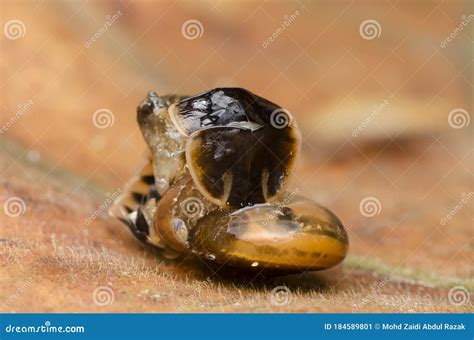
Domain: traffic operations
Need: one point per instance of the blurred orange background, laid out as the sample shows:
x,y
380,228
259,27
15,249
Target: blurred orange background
x,y
382,91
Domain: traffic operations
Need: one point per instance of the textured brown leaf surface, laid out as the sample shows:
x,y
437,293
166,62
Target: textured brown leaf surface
x,y
402,158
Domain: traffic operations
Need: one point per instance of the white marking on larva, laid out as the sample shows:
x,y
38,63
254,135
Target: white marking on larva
x,y
133,216
200,104
211,257
227,178
173,112
255,264
246,125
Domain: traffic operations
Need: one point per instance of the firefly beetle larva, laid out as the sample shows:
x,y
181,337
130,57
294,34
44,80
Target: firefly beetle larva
x,y
214,185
